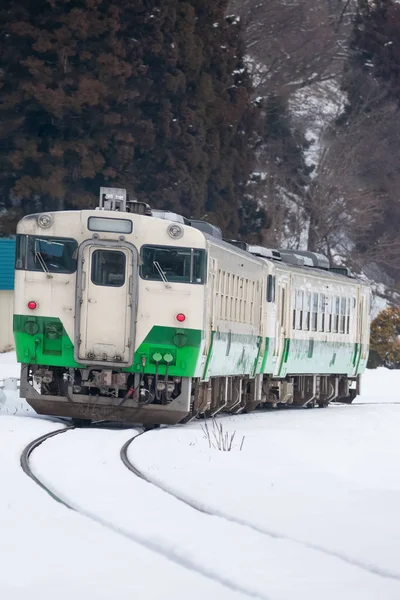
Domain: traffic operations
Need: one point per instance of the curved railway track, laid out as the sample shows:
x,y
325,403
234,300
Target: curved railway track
x,y
26,466
129,465
186,564
242,522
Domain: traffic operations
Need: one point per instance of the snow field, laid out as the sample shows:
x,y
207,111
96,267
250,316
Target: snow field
x,y
83,466
47,550
308,508
324,478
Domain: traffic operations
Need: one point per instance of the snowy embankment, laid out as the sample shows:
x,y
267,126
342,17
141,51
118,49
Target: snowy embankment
x,y
309,507
10,402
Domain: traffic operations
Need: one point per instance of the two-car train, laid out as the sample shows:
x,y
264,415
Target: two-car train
x,y
140,316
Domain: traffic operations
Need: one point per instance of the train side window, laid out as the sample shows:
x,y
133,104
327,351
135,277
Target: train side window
x,y
51,255
108,268
218,282
299,309
336,315
329,314
271,288
283,299
321,312
307,311
252,300
314,319
342,315
348,316
294,308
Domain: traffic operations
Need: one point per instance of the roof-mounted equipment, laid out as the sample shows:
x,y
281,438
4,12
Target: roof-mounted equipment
x,y
207,228
305,258
341,271
117,199
112,199
167,215
262,252
238,244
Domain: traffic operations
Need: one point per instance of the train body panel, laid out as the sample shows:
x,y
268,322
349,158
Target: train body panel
x,y
128,317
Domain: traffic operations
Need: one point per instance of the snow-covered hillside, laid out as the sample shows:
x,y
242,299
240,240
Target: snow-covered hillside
x,y
306,510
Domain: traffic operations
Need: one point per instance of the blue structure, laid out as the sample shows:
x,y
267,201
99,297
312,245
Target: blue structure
x,y
7,260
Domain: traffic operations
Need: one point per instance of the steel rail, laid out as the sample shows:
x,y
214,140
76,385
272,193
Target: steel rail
x,y
387,574
26,466
170,556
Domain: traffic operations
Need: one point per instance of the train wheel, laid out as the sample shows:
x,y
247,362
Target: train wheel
x,y
150,427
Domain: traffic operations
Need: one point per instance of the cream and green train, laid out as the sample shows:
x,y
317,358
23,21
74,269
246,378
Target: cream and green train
x,y
128,314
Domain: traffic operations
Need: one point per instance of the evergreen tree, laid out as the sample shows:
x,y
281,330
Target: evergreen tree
x,y
151,95
385,339
369,125
376,39
281,176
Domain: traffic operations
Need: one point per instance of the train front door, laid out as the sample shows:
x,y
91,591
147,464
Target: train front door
x,y
106,303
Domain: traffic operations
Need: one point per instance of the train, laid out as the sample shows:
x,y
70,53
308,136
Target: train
x,y
131,314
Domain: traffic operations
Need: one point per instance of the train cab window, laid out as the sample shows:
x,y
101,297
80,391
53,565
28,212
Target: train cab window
x,y
170,263
20,252
108,268
47,254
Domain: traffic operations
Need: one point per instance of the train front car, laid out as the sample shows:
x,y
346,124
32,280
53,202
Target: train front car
x,y
108,315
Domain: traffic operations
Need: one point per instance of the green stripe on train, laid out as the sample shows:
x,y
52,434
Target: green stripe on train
x,y
44,341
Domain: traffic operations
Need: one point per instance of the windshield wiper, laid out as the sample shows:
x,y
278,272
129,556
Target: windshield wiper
x,y
39,258
162,274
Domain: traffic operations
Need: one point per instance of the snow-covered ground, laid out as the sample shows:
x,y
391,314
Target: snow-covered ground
x,y
306,510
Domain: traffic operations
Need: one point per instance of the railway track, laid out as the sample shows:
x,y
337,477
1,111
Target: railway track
x,y
246,524
129,465
27,468
159,549
55,495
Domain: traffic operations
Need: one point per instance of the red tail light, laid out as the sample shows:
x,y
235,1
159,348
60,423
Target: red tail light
x,y
181,317
32,305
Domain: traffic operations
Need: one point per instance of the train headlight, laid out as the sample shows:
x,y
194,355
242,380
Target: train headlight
x,y
45,220
31,327
175,231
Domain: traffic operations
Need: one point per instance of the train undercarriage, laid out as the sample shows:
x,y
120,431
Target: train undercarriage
x,y
95,394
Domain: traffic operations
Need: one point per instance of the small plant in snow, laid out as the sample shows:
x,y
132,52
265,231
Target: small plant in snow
x,y
218,438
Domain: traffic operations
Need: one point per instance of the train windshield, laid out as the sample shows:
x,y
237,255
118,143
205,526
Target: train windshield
x,y
47,254
169,263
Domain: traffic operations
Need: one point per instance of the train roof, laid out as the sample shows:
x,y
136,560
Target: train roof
x,y
328,273
297,261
